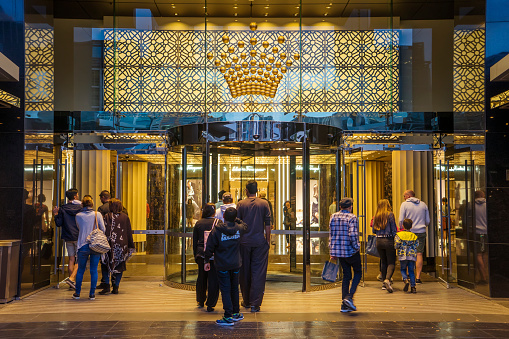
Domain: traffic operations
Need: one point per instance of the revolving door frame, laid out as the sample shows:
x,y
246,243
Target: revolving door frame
x,y
200,137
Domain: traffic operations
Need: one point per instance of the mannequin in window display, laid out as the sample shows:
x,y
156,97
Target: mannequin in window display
x,y
314,205
481,236
190,190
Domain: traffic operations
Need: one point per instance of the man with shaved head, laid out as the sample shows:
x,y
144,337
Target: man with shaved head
x,y
417,211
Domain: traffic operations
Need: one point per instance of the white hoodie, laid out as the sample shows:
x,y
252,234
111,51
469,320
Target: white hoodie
x,y
221,209
417,211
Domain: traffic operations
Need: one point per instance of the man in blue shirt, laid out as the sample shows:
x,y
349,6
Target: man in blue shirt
x,y
344,245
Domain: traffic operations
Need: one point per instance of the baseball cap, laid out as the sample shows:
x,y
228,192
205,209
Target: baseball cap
x,y
227,195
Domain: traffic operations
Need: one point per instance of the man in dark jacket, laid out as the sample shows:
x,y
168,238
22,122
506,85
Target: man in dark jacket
x,y
224,244
105,197
254,249
65,217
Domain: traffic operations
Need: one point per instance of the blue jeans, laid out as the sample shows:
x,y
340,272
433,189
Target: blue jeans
x,y
410,264
83,253
229,286
347,264
115,277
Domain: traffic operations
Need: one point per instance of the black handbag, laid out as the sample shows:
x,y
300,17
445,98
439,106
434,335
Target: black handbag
x,y
371,246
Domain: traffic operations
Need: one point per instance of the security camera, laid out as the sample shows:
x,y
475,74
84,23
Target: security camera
x,y
256,136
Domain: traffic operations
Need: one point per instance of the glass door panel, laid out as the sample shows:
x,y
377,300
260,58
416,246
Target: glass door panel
x,y
174,173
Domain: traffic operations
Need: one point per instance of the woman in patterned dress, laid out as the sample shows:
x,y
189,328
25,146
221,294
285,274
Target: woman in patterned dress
x,y
120,237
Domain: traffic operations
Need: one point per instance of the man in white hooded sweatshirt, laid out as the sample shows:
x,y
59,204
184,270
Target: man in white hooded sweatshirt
x,y
417,211
227,202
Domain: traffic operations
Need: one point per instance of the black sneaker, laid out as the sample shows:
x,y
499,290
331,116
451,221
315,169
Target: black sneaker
x,y
102,286
237,316
210,309
349,303
418,281
407,283
413,290
345,309
91,297
225,321
105,290
255,309
76,296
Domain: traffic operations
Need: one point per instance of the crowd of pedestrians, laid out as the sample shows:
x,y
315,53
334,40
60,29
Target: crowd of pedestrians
x,y
231,245
78,220
407,244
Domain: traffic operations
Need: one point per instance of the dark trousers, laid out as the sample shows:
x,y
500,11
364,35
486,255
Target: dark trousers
x,y
347,264
229,285
207,287
115,277
253,273
385,247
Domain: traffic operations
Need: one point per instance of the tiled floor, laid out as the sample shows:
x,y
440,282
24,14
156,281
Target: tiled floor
x,y
299,329
151,309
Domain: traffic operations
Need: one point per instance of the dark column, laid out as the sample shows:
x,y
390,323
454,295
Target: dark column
x,y
306,222
12,125
497,154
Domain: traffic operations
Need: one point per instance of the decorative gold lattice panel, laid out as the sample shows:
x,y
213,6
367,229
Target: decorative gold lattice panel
x,y
173,71
468,70
39,69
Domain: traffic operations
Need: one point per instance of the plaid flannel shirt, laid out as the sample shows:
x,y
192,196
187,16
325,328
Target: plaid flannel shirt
x,y
343,234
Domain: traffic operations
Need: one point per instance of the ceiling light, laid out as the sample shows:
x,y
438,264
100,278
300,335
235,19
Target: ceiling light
x,y
176,13
266,14
325,14
328,7
266,7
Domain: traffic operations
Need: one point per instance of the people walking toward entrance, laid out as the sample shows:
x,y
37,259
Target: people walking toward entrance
x,y
227,202
65,217
87,219
105,197
384,226
220,202
120,238
406,244
344,245
207,287
224,244
417,211
254,249
288,219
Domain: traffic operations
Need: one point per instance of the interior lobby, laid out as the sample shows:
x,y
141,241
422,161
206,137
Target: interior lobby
x,y
166,104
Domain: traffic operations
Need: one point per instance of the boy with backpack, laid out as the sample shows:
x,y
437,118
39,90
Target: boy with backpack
x,y
405,243
224,244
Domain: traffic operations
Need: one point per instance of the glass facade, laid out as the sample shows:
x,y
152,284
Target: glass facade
x,y
106,88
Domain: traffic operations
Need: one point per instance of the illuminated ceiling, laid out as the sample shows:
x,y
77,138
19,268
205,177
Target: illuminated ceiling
x,y
416,10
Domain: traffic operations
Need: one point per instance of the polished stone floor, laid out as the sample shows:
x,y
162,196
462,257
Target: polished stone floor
x,y
149,308
267,329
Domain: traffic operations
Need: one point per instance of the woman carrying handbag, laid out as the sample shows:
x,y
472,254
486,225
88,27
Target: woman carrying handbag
x,y
120,237
87,221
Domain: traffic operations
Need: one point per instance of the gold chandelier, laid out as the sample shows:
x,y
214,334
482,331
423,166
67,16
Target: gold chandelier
x,y
253,73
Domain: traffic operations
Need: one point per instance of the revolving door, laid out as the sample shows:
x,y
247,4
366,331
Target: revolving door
x,y
296,167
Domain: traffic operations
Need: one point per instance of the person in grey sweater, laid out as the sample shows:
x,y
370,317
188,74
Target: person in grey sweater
x,y
417,211
87,220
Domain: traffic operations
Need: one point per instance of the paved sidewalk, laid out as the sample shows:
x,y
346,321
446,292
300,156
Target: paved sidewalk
x,y
146,308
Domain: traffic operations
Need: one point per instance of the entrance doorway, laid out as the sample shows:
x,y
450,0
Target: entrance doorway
x,y
295,166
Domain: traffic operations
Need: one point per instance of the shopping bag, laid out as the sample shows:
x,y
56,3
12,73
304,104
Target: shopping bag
x,y
371,246
330,271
